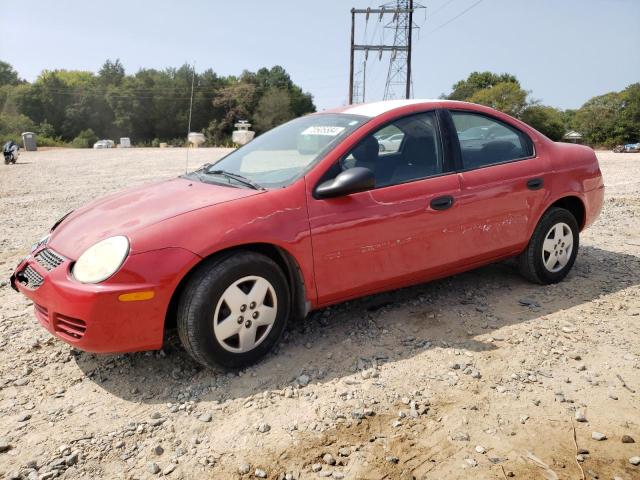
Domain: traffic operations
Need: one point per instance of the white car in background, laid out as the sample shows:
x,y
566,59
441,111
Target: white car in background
x,y
391,143
104,144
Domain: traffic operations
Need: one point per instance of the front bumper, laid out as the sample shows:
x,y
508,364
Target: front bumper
x,y
91,317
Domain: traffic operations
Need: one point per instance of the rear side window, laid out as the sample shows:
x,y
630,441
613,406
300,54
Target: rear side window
x,y
487,141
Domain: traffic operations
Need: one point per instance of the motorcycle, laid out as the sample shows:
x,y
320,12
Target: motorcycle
x,y
10,152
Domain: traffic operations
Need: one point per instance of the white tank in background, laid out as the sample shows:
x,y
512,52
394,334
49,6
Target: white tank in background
x,y
196,139
242,135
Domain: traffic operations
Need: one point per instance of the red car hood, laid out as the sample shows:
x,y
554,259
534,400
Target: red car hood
x,y
125,212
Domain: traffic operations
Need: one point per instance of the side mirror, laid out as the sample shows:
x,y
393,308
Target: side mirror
x,y
353,180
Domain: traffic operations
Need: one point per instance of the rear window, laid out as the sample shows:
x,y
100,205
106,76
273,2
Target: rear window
x,y
487,141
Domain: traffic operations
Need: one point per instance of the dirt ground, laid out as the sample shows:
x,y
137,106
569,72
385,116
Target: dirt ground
x,y
480,376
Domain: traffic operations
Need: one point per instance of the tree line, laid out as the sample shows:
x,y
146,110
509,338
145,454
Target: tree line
x,y
604,121
150,106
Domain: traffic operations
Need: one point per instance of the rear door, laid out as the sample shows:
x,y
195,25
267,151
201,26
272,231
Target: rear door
x,y
504,184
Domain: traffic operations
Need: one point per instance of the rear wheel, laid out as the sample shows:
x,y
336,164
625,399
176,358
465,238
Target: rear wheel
x,y
552,249
233,310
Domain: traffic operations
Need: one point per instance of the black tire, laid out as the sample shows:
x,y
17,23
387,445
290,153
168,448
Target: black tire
x,y
530,262
197,307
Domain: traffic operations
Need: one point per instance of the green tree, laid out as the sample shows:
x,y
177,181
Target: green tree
x,y
111,73
273,109
8,76
507,97
630,113
599,120
46,130
12,126
546,120
150,104
568,119
232,103
476,81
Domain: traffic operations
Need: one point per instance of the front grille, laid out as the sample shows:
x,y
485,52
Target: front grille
x,y
69,327
49,259
30,278
42,313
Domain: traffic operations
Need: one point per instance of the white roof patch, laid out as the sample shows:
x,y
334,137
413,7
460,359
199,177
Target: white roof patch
x,y
374,109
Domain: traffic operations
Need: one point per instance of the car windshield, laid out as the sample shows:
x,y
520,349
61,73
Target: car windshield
x,y
280,156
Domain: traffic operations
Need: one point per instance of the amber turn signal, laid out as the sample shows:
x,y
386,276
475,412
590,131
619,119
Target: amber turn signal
x,y
137,296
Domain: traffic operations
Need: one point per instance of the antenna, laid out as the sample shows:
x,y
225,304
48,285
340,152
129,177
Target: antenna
x,y
193,77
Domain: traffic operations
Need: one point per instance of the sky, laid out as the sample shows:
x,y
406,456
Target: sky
x,y
563,51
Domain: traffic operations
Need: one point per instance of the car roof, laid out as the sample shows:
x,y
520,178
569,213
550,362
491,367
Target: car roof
x,y
373,109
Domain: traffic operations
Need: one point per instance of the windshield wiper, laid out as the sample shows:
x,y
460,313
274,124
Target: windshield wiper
x,y
237,177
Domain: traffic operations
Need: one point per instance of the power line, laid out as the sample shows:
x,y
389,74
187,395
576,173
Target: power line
x,y
454,18
441,7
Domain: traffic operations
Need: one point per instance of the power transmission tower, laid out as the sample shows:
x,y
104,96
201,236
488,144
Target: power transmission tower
x,y
399,74
400,61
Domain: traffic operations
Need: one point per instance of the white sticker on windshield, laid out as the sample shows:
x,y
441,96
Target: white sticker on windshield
x,y
317,130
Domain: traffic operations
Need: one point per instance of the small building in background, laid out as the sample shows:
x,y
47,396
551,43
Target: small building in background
x,y
125,142
29,141
572,136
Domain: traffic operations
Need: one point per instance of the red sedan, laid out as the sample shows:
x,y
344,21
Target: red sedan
x,y
310,214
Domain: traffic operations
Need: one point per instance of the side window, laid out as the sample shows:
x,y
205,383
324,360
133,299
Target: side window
x,y
389,139
486,141
407,149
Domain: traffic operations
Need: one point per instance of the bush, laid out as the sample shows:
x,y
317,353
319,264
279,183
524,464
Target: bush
x,y
85,139
177,142
12,126
44,141
46,130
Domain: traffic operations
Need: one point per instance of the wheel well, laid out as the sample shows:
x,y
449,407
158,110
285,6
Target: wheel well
x,y
575,206
281,257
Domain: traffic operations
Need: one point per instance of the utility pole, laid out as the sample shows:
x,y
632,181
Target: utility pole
x,y
408,92
400,60
353,31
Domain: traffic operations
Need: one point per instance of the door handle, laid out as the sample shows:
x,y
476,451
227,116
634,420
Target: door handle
x,y
442,203
535,183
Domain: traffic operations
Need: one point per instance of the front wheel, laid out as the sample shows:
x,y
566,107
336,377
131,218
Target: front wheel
x,y
552,249
233,310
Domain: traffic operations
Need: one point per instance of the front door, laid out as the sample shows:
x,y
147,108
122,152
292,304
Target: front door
x,y
402,231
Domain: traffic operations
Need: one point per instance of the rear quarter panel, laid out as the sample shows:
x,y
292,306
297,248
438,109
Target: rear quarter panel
x,y
576,172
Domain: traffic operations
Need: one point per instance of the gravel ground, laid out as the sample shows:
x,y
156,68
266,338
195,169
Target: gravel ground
x,y
481,375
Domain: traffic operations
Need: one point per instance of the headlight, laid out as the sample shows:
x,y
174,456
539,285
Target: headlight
x,y
101,260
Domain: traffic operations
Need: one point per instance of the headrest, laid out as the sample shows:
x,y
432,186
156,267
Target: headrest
x,y
367,150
